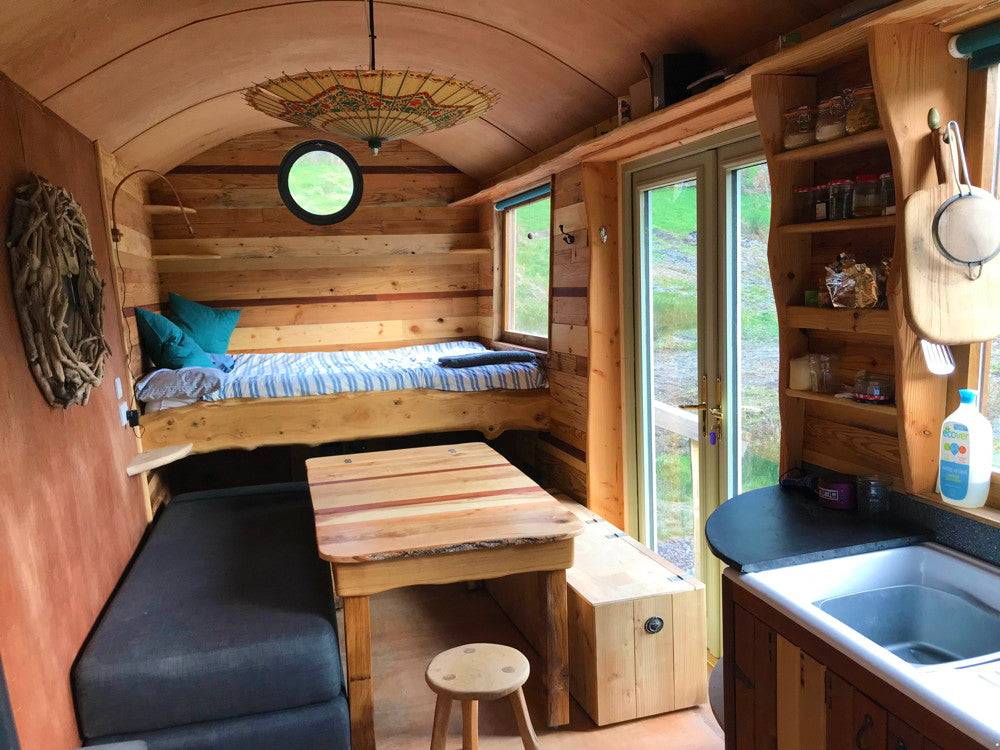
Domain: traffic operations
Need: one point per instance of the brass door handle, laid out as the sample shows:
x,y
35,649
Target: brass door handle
x,y
694,407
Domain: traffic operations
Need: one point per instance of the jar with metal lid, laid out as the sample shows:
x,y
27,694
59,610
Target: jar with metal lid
x,y
887,188
821,197
800,127
867,196
831,119
803,204
862,110
841,199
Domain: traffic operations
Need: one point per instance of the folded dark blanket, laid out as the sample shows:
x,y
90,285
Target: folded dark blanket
x,y
478,359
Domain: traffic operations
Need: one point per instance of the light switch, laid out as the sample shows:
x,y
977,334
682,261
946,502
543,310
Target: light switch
x,y
118,388
123,413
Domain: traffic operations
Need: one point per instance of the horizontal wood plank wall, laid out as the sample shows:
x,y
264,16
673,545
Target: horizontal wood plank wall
x,y
136,278
403,269
563,450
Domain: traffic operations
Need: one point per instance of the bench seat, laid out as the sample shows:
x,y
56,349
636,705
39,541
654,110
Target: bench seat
x,y
221,634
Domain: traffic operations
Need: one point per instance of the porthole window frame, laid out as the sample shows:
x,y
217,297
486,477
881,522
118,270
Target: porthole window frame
x,y
318,144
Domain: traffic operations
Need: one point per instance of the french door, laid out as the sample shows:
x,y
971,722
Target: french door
x,y
705,346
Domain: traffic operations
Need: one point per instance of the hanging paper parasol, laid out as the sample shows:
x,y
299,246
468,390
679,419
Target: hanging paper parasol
x,y
371,105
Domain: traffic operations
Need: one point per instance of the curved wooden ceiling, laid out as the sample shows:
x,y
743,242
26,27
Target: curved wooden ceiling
x,y
158,82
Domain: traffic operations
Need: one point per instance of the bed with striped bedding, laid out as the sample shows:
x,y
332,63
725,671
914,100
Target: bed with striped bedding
x,y
324,397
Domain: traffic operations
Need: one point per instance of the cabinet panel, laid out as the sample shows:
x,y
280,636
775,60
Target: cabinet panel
x,y
839,713
801,706
765,687
903,737
743,678
869,723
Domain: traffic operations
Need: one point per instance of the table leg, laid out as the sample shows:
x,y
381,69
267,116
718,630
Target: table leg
x,y
556,648
360,695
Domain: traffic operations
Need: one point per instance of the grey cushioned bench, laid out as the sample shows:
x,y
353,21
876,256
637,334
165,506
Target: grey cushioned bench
x,y
221,634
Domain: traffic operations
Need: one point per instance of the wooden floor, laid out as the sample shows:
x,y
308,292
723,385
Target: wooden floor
x,y
411,626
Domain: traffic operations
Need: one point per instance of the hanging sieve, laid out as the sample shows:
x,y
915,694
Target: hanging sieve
x,y
966,227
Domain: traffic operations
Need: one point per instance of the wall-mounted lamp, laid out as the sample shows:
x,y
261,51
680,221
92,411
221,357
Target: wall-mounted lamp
x,y
116,233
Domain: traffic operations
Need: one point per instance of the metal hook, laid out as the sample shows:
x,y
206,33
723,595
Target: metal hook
x,y
568,238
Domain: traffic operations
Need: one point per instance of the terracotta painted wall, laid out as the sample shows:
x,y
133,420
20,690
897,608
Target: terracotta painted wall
x,y
69,517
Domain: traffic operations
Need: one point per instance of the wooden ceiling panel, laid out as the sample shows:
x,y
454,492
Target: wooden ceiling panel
x,y
121,70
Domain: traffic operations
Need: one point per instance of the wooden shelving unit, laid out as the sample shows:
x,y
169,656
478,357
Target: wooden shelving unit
x,y
843,225
911,71
826,398
848,145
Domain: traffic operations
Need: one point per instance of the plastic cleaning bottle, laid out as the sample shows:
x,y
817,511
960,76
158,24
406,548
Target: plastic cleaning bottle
x,y
966,454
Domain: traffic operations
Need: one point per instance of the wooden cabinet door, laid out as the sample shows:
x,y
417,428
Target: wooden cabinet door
x,y
902,736
870,721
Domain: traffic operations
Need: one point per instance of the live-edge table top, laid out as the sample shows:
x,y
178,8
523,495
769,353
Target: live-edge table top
x,y
423,501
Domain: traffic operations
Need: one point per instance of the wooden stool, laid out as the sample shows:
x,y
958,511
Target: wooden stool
x,y
473,673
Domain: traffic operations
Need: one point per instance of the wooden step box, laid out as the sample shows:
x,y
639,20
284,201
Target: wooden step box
x,y
637,633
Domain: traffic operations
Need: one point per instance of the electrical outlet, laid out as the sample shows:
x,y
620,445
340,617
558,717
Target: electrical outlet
x,y
123,413
118,389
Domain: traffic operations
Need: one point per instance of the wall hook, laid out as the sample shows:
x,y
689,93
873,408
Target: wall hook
x,y
568,238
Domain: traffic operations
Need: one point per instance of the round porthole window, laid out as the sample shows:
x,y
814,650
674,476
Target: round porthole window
x,y
320,182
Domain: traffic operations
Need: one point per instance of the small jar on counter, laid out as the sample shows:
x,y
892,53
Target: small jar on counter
x,y
862,111
803,204
800,127
821,198
887,188
831,119
841,198
867,196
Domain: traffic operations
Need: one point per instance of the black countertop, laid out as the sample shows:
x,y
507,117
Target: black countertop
x,y
774,527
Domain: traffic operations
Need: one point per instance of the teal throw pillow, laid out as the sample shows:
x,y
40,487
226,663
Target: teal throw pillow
x,y
210,327
166,344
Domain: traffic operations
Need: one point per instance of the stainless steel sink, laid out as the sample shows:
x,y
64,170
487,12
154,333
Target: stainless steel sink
x,y
919,624
923,618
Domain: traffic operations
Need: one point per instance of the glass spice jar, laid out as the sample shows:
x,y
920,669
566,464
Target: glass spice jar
x,y
867,196
840,200
800,127
887,189
803,204
862,111
821,196
831,119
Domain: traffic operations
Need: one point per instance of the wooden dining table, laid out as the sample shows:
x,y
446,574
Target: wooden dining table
x,y
437,515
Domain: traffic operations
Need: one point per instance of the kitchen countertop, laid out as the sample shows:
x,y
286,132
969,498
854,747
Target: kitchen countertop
x,y
774,527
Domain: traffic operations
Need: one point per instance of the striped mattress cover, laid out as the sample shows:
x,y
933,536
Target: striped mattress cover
x,y
290,375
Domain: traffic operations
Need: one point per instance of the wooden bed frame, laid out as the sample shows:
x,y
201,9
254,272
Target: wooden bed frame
x,y
313,420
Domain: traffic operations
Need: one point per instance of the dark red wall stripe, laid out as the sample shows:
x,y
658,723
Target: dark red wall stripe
x,y
570,291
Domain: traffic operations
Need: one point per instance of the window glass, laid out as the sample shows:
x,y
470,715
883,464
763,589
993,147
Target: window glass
x,y
759,428
320,182
527,282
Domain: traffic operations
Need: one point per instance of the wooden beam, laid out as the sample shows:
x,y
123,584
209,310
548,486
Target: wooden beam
x,y
604,387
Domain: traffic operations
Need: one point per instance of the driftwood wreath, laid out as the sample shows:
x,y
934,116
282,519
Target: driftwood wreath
x,y
57,291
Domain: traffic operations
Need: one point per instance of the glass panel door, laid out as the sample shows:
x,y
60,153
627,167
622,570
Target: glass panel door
x,y
755,428
673,231
705,337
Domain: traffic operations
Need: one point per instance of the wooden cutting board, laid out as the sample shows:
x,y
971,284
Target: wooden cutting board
x,y
942,304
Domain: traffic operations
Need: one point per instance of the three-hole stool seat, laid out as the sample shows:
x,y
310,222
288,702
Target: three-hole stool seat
x,y
478,672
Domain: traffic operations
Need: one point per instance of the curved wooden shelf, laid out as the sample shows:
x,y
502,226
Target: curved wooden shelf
x,y
843,225
846,403
848,145
841,319
152,459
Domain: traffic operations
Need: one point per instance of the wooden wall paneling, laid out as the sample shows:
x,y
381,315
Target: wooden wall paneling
x,y
403,269
491,271
605,473
913,71
70,518
562,453
788,255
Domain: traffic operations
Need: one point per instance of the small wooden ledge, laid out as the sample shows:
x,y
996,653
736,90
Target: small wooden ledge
x,y
163,210
157,457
